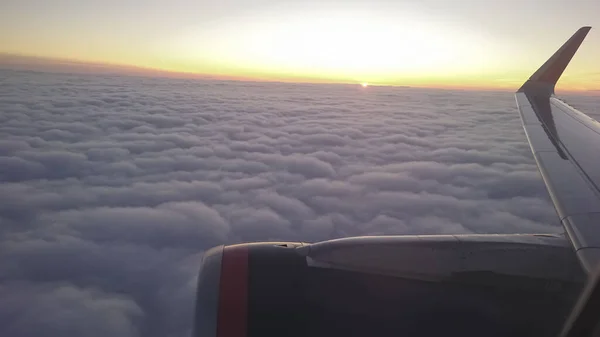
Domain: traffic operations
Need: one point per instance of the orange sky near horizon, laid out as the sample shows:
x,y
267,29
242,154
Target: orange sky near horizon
x,y
470,44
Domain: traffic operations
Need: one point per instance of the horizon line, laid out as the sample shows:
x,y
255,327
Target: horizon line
x,y
25,62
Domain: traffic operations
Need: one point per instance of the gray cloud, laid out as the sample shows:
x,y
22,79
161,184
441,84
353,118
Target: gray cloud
x,y
59,309
112,187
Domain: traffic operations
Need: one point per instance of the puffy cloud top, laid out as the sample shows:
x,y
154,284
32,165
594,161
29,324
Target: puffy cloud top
x,y
112,187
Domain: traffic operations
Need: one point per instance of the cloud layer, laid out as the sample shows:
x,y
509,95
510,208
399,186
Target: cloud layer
x,y
112,187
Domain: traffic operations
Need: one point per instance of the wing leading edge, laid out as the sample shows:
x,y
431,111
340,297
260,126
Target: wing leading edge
x,y
565,144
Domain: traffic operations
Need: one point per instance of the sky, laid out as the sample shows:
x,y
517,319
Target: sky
x,y
114,186
466,43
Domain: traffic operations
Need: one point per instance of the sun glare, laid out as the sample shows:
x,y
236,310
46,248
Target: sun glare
x,y
338,46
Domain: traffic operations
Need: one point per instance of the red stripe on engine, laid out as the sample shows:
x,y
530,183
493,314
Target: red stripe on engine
x,y
233,293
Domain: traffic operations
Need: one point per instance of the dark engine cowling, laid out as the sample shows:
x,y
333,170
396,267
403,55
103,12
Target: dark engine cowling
x,y
381,286
250,290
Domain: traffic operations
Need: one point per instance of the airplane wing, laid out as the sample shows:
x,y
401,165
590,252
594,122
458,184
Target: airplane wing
x,y
566,147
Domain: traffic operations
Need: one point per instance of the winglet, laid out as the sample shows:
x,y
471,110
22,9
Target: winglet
x,y
549,73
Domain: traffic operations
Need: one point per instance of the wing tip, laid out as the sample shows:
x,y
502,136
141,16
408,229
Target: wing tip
x,y
585,28
549,73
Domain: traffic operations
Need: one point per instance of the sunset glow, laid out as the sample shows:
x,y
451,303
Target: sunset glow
x,y
386,44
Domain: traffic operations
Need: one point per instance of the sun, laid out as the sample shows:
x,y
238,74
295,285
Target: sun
x,y
364,84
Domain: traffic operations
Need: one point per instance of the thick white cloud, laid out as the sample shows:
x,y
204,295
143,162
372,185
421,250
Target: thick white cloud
x,y
112,187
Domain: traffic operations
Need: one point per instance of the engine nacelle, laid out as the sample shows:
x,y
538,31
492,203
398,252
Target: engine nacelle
x,y
388,286
249,287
